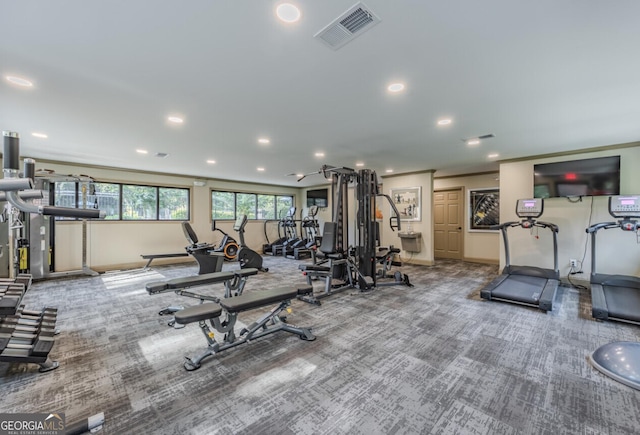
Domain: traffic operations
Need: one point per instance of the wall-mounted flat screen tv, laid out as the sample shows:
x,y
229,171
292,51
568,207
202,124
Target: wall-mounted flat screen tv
x,y
588,177
319,197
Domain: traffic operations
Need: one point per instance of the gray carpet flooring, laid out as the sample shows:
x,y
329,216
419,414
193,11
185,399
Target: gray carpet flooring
x,y
431,359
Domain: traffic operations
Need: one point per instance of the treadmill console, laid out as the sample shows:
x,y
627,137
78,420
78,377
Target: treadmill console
x,y
624,206
529,208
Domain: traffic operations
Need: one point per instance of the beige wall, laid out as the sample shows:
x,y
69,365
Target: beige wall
x,y
113,244
618,251
424,226
482,246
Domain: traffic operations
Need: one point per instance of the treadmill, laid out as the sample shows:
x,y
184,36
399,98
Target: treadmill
x,y
617,297
526,285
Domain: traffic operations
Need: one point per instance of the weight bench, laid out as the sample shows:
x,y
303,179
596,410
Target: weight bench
x,y
222,317
151,257
338,261
234,282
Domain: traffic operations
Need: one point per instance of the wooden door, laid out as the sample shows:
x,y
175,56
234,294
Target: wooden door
x,y
448,222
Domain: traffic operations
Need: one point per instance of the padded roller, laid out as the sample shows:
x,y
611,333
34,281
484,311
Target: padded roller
x,y
198,313
248,301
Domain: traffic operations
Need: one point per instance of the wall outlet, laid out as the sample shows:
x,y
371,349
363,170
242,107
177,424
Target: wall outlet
x,y
573,262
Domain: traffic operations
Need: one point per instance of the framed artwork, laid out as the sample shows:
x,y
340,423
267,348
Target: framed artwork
x,y
484,209
407,201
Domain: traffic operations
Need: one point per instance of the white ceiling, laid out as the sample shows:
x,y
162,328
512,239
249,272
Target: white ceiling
x,y
543,76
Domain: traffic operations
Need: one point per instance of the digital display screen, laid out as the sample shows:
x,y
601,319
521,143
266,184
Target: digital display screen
x,y
627,202
529,204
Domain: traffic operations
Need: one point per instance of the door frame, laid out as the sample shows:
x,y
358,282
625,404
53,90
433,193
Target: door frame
x,y
463,208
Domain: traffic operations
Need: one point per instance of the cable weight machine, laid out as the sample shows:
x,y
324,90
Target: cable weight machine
x,y
353,265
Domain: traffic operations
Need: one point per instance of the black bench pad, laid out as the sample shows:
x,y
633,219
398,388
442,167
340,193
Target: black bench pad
x,y
153,256
209,278
248,301
197,280
198,313
313,268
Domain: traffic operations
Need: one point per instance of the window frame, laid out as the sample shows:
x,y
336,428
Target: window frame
x,y
235,193
157,188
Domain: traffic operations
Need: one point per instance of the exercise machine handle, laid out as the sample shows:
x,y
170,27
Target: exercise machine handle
x,y
549,225
603,225
73,212
395,217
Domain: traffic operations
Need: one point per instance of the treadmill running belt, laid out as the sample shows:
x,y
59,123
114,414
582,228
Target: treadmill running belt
x,y
623,302
520,288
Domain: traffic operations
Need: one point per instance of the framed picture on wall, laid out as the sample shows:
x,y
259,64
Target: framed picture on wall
x,y
407,201
484,209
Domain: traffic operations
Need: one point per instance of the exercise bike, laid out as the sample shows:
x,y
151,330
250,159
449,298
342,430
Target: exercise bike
x,y
228,245
247,257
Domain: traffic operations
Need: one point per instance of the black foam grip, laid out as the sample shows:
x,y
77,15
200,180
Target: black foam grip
x,y
71,212
11,156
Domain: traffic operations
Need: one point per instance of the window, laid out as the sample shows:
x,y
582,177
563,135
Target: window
x,y
106,197
125,201
223,205
246,204
266,207
139,202
284,204
173,204
65,194
231,205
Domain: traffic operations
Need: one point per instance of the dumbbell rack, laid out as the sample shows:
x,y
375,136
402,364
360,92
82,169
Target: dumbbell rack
x,y
25,336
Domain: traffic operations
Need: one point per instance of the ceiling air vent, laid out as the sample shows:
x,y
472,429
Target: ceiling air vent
x,y
351,24
161,155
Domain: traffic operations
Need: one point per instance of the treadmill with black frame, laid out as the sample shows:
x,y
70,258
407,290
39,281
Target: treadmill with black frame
x,y
526,285
617,297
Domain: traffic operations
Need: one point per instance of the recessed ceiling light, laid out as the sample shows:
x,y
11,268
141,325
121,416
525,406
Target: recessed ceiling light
x,y
388,171
264,140
493,155
40,135
288,13
395,87
211,162
473,141
140,151
20,81
359,164
299,175
260,169
319,154
175,119
445,121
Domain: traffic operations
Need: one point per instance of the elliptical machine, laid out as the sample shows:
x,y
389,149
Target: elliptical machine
x,y
247,257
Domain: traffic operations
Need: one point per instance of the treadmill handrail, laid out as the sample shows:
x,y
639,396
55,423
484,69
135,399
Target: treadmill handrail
x,y
504,225
503,228
602,225
549,225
